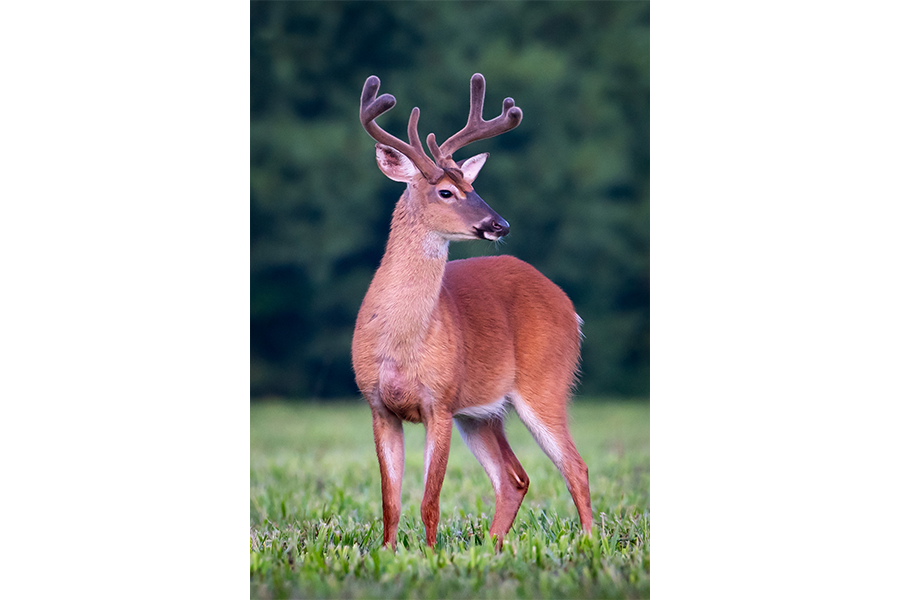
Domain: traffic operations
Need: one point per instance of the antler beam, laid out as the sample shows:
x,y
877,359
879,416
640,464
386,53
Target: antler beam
x,y
371,107
476,127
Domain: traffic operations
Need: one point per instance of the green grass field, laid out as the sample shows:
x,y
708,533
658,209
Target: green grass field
x,y
315,512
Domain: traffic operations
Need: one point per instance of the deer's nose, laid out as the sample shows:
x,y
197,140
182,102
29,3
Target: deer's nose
x,y
493,227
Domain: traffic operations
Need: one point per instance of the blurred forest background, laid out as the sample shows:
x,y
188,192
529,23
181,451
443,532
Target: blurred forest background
x,y
572,180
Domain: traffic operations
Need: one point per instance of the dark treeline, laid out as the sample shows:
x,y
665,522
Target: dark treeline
x,y
572,179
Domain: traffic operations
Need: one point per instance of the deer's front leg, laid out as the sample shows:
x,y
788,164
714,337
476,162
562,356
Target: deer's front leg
x,y
438,428
389,446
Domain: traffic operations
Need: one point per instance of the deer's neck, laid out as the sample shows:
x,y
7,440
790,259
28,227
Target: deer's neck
x,y
408,284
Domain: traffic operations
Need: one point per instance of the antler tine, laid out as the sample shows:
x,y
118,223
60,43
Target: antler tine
x,y
371,107
412,132
476,128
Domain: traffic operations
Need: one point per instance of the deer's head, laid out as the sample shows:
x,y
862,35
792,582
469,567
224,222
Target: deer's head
x,y
440,190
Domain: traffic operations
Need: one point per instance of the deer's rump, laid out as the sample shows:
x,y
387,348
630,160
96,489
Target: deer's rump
x,y
520,330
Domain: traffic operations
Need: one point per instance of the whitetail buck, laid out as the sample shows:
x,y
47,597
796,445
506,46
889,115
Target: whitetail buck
x,y
438,342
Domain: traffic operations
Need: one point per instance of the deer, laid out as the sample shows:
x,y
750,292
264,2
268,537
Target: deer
x,y
440,342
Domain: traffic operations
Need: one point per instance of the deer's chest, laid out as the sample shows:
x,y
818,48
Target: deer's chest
x,y
401,391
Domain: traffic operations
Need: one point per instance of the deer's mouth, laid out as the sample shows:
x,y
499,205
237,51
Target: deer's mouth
x,y
485,235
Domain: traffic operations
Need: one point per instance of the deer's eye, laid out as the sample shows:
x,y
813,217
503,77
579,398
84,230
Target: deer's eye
x,y
445,193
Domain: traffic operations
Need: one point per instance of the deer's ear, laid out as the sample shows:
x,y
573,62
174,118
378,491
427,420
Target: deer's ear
x,y
472,166
395,164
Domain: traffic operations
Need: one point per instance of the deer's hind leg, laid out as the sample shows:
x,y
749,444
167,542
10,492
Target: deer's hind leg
x,y
550,430
487,441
